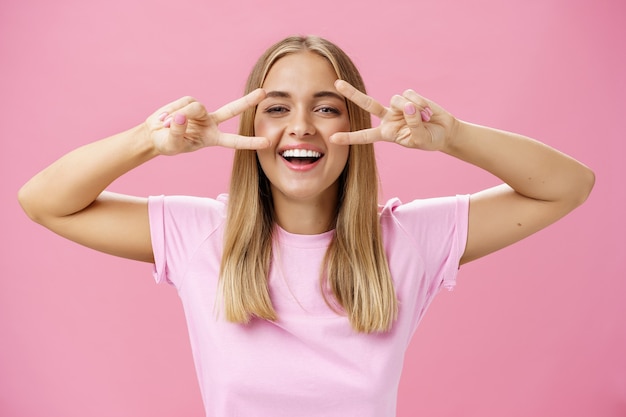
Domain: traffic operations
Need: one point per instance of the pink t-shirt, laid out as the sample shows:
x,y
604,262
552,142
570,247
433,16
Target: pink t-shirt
x,y
309,362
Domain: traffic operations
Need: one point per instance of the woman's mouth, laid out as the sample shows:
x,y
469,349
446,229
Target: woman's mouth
x,y
301,156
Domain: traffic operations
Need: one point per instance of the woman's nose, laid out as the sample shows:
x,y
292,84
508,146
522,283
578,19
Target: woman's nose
x,y
301,124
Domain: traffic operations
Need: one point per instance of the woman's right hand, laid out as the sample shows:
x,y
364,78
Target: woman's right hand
x,y
185,126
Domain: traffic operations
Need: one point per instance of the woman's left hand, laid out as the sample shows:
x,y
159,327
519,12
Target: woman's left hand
x,y
410,120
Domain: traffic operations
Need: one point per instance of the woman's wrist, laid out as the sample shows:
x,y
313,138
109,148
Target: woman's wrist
x,y
456,136
143,143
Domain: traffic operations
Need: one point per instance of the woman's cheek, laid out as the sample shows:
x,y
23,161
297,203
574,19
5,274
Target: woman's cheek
x,y
267,128
337,125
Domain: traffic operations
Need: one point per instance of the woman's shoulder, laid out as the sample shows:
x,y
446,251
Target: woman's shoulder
x,y
425,218
188,212
190,203
424,209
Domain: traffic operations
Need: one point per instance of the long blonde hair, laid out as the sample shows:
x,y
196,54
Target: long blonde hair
x,y
355,268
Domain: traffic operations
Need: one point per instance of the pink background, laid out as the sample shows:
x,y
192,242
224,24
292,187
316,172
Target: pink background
x,y
538,329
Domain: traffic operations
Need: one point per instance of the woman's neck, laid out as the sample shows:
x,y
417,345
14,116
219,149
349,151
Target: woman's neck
x,y
305,217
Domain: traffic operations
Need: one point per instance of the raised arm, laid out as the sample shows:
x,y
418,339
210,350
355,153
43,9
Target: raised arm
x,y
541,184
68,197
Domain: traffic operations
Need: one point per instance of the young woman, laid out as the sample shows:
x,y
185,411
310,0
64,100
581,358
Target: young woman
x,y
301,293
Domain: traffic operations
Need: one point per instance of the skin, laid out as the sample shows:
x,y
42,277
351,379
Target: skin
x,y
302,110
540,186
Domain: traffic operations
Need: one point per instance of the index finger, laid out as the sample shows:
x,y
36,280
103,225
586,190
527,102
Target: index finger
x,y
358,137
362,100
174,106
235,108
231,140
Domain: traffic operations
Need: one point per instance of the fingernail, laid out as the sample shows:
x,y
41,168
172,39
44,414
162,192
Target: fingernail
x,y
167,122
162,116
430,112
425,115
409,109
180,119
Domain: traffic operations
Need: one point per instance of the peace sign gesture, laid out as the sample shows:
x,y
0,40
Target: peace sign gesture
x,y
185,126
410,120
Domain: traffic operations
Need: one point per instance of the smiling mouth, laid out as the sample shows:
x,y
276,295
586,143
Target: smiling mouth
x,y
301,156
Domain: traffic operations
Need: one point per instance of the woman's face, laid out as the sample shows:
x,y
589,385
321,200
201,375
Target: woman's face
x,y
302,109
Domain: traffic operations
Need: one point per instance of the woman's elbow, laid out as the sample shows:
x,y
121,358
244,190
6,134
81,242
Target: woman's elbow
x,y
28,201
584,183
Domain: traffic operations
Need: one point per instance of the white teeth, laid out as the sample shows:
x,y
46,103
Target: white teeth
x,y
301,153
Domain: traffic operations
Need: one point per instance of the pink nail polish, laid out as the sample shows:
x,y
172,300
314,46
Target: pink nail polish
x,y
425,115
430,112
409,109
180,119
167,122
162,116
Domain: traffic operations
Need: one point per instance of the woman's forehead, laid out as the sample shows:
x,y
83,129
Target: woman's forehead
x,y
301,71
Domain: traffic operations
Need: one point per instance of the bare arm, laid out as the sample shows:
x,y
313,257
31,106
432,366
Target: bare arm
x,y
541,184
69,196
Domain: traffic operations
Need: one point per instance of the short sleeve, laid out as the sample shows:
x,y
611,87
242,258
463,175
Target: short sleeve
x,y
178,226
157,235
433,232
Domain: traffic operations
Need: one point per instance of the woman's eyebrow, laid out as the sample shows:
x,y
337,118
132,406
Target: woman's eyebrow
x,y
280,94
319,94
329,94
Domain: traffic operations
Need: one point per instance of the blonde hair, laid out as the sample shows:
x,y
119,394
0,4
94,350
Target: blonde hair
x,y
355,268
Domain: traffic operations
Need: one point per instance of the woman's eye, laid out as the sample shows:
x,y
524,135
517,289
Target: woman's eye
x,y
276,110
328,110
